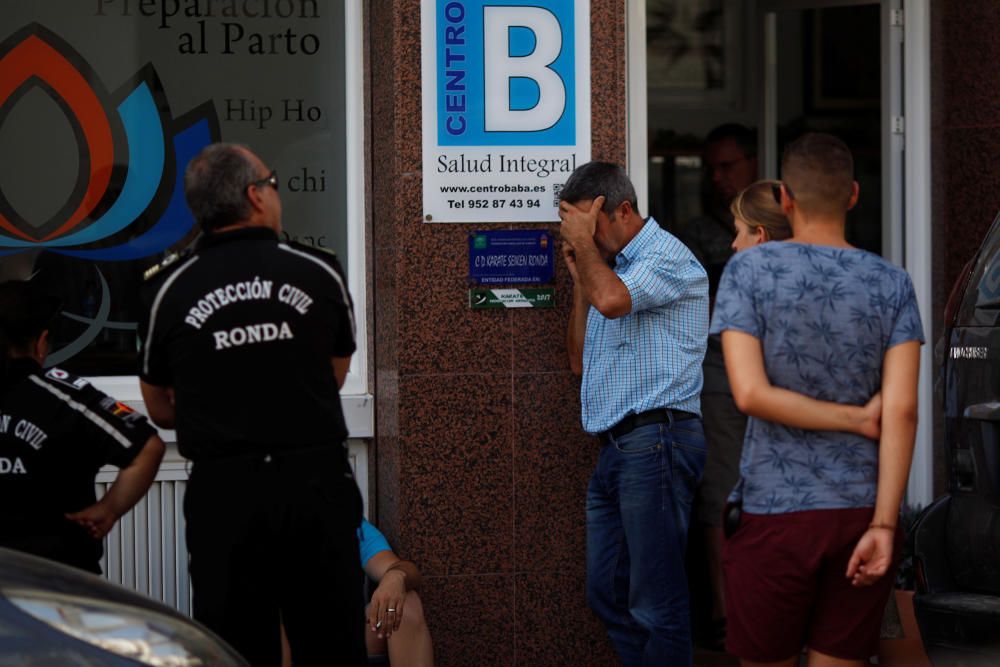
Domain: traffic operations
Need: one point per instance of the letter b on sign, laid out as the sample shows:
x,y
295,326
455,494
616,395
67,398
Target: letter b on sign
x,y
502,69
506,72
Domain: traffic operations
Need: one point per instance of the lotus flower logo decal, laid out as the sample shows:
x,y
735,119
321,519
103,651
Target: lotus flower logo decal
x,y
128,202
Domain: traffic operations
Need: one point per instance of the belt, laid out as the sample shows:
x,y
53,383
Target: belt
x,y
269,454
632,422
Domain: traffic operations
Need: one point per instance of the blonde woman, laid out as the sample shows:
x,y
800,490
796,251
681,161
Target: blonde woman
x,y
758,219
758,216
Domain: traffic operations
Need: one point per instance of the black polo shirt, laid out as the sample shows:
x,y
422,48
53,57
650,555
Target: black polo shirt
x,y
243,329
56,431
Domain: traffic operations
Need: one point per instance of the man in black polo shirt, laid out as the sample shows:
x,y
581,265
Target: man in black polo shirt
x,y
247,342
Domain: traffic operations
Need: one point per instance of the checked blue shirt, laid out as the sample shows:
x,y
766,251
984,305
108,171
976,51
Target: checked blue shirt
x,y
650,358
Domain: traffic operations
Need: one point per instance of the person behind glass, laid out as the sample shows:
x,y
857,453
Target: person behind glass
x,y
637,334
812,329
56,431
729,160
246,343
758,218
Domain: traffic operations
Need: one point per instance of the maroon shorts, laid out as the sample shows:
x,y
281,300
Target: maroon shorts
x,y
786,586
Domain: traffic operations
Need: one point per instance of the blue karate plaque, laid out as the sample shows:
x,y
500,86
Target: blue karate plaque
x,y
510,256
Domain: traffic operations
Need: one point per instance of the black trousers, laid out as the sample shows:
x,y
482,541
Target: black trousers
x,y
274,540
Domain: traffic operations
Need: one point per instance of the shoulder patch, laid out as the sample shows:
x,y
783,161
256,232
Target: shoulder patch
x,y
166,263
116,408
66,379
120,410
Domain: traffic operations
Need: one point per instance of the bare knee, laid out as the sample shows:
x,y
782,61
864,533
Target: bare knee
x,y
413,611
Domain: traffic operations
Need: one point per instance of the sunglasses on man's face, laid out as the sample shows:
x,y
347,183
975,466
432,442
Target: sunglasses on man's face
x,y
271,179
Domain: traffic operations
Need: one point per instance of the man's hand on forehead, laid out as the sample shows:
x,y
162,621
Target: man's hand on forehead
x,y
579,224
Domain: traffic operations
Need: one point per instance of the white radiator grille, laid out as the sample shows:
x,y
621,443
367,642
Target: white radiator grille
x,y
146,550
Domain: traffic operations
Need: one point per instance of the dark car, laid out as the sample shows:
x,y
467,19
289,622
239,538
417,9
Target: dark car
x,y
53,615
956,540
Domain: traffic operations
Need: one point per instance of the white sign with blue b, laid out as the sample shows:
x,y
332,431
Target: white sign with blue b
x,y
506,107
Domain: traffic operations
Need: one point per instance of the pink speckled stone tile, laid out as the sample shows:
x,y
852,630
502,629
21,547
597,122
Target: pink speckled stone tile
x,y
607,83
471,620
969,34
969,169
554,625
456,473
553,461
443,334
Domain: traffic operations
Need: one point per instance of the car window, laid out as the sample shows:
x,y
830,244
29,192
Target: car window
x,y
981,304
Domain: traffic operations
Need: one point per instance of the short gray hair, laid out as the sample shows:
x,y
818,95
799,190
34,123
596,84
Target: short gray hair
x,y
215,185
591,180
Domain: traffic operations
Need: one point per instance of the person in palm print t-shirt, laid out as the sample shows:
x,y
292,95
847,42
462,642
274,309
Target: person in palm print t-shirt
x,y
803,321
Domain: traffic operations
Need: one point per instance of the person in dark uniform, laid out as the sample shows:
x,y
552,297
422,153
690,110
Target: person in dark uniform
x,y
56,431
245,346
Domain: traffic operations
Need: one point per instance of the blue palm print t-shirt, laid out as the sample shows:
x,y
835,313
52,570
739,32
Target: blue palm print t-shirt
x,y
825,318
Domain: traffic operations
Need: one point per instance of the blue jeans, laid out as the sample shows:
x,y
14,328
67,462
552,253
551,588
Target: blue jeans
x,y
638,507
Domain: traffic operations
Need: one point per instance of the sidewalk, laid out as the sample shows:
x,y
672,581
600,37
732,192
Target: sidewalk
x,y
907,651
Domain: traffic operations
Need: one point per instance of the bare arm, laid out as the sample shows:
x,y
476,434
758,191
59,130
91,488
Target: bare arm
x,y
600,285
900,373
159,404
387,563
395,577
131,484
577,328
756,396
340,367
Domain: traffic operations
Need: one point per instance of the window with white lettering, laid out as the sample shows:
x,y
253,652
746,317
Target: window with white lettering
x,y
102,105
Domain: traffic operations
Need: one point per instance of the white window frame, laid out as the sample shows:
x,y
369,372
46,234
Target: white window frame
x,y
912,238
355,395
917,237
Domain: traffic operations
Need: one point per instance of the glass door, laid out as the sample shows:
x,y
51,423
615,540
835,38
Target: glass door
x,y
836,66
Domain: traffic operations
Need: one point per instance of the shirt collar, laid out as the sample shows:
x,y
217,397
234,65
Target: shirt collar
x,y
20,368
241,234
639,241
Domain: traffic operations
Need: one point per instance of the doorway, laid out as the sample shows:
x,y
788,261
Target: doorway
x,y
836,66
779,68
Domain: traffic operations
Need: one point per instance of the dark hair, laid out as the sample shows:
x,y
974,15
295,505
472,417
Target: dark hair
x,y
591,180
819,170
744,137
215,185
26,310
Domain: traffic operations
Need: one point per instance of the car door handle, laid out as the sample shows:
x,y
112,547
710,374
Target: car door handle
x,y
986,411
